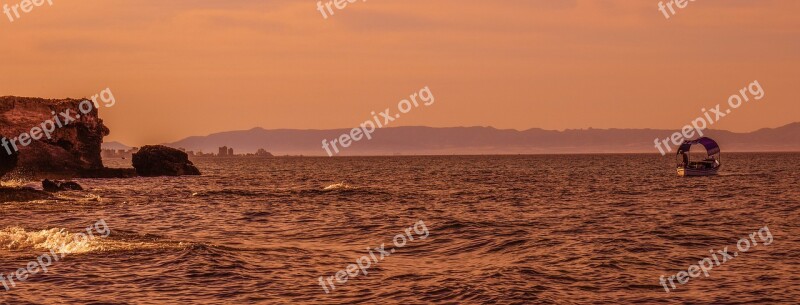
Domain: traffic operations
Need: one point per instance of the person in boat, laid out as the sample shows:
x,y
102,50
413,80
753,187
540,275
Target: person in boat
x,y
709,162
685,159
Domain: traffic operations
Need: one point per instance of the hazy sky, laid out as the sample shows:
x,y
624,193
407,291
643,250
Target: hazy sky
x,y
192,67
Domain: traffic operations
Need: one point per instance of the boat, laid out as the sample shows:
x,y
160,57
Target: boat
x,y
709,166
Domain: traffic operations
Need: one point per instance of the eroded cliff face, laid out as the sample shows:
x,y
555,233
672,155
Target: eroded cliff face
x,y
70,149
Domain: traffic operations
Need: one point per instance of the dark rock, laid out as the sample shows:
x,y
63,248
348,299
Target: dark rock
x,y
7,160
57,186
22,194
71,185
50,186
159,160
68,149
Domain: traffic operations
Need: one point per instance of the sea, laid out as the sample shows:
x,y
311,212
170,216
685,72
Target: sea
x,y
521,229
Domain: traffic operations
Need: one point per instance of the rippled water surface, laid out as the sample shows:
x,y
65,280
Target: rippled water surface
x,y
580,229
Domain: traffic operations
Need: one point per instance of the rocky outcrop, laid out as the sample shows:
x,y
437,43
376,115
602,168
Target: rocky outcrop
x,y
159,160
66,151
7,161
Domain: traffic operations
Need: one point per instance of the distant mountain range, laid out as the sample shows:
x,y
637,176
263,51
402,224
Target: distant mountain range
x,y
481,140
115,146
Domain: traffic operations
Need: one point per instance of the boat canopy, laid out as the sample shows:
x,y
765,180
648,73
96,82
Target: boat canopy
x,y
711,147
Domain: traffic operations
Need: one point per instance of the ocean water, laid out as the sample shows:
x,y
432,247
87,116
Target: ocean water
x,y
574,229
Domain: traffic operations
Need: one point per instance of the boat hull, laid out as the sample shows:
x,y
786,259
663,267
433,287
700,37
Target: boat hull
x,y
689,172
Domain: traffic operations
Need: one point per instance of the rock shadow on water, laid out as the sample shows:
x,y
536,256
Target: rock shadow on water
x,y
22,194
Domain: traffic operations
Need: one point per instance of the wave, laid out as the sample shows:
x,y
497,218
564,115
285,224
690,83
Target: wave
x,y
59,240
16,182
227,192
62,241
337,186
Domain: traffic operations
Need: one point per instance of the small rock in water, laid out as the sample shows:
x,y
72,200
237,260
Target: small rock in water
x,y
50,186
57,186
159,160
71,185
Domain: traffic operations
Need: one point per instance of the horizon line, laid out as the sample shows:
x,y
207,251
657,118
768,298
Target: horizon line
x,y
450,127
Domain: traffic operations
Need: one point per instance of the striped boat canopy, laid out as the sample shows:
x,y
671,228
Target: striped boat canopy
x,y
711,146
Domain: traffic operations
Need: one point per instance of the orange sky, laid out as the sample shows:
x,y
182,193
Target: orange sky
x,y
192,67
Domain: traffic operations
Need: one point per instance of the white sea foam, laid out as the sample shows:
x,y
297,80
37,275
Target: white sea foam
x,y
15,183
337,186
16,238
60,240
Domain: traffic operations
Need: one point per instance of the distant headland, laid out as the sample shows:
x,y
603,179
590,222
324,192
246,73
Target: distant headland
x,y
119,150
415,140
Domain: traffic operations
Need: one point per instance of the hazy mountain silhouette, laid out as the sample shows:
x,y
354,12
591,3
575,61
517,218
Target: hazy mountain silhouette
x,y
115,145
482,140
